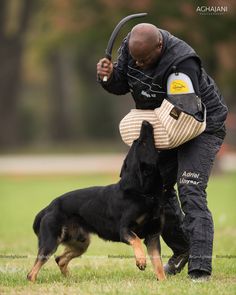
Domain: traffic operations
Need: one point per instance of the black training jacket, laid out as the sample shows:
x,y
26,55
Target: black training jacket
x,y
148,87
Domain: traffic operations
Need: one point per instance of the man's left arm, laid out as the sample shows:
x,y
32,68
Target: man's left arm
x,y
183,87
185,79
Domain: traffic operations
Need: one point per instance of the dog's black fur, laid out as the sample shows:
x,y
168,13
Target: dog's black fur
x,y
124,212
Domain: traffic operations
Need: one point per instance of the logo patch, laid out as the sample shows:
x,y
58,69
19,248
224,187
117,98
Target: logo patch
x,y
178,86
175,113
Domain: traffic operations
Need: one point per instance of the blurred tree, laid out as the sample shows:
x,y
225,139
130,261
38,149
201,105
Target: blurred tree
x,y
14,22
70,36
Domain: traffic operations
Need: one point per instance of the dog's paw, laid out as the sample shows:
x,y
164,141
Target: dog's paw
x,y
141,263
64,271
62,265
31,278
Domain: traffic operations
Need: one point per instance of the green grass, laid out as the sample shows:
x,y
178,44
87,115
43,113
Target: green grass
x,y
101,270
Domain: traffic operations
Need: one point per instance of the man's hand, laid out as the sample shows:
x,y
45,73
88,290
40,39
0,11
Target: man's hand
x,y
104,68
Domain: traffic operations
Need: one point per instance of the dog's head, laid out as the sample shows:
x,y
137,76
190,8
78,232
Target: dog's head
x,y
140,173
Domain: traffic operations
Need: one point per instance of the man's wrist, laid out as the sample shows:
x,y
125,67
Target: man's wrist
x,y
104,82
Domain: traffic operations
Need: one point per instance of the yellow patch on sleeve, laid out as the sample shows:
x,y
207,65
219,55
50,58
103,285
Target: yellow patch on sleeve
x,y
178,86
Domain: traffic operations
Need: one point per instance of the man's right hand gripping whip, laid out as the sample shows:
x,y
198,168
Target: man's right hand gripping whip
x,y
114,34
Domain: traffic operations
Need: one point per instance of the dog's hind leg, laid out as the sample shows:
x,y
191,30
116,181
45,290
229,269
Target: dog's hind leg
x,y
154,251
42,257
32,275
48,243
73,249
132,239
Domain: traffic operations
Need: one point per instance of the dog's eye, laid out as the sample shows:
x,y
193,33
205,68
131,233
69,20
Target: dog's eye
x,y
143,143
146,172
147,169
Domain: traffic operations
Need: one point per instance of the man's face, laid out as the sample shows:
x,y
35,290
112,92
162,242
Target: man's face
x,y
146,56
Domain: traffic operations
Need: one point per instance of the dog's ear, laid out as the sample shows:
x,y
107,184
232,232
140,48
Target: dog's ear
x,y
123,167
140,174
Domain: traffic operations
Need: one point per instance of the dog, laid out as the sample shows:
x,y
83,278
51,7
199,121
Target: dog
x,y
127,211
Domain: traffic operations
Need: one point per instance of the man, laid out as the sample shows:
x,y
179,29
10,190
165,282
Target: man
x,y
152,65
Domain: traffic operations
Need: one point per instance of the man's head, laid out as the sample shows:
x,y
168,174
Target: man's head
x,y
145,44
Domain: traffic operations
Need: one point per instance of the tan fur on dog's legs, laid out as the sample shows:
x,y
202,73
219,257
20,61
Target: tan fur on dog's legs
x,y
139,253
153,248
72,250
32,275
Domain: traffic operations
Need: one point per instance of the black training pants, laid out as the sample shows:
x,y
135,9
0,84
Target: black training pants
x,y
189,166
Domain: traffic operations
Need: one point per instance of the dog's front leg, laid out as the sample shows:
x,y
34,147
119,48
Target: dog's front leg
x,y
132,239
154,252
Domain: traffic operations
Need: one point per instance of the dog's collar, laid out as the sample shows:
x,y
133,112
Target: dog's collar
x,y
151,196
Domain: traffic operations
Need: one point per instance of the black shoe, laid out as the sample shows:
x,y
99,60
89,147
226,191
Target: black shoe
x,y
176,263
199,276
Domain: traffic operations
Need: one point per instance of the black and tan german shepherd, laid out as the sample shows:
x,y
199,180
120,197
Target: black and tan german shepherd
x,y
127,211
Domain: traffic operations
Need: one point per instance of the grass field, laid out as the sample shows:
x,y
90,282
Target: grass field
x,y
106,268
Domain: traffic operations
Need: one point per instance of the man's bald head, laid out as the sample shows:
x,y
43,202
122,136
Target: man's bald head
x,y
144,39
144,34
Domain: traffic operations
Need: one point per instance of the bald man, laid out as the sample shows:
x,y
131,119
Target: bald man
x,y
153,65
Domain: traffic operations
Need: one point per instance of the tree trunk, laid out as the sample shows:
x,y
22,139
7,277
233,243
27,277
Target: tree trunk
x,y
60,121
10,61
11,50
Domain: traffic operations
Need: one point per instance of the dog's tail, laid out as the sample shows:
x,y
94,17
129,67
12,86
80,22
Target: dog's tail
x,y
40,215
37,221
